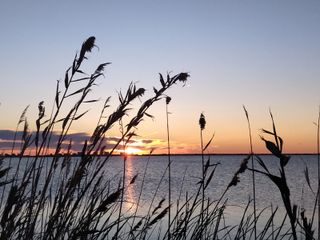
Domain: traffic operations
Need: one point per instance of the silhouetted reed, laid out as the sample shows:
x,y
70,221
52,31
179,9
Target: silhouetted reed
x,y
46,210
202,123
318,158
168,100
280,181
63,197
253,173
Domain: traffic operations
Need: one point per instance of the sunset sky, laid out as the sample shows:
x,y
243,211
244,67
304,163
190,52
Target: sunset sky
x,y
261,54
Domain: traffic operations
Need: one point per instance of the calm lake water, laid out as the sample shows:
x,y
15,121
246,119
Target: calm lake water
x,y
186,171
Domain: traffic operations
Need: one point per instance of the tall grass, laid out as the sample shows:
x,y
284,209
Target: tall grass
x,y
202,124
318,158
253,172
62,198
65,197
168,99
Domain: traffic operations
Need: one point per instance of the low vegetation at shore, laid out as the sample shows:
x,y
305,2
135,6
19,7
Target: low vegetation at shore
x,y
58,198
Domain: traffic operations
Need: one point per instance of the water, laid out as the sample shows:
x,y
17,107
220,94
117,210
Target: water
x,y
186,171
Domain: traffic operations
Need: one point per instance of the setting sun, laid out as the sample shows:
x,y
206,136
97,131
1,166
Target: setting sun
x,y
133,151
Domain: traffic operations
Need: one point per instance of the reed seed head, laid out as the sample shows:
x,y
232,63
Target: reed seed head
x,y
234,181
168,100
182,77
243,165
202,121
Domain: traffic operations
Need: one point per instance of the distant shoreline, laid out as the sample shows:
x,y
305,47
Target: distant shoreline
x,y
146,155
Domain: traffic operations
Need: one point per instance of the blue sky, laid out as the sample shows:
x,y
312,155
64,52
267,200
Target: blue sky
x,y
258,53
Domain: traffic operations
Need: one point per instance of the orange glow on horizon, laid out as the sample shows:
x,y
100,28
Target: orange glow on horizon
x,y
220,145
133,151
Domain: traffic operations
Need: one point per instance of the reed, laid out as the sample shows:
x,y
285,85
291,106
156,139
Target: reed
x,y
202,123
63,197
168,100
280,181
45,209
253,172
318,158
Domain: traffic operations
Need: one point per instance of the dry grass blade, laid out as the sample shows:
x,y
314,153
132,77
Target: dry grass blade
x,y
57,94
207,145
3,172
262,164
11,201
133,179
159,217
136,227
268,225
306,174
80,115
76,92
246,112
210,177
272,148
162,80
66,79
159,206
307,226
274,128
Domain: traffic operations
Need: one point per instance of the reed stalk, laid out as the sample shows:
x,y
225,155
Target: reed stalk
x,y
65,198
123,177
168,99
202,123
253,172
54,199
318,162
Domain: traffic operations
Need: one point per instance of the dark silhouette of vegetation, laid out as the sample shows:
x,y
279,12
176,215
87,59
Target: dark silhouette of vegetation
x,y
60,197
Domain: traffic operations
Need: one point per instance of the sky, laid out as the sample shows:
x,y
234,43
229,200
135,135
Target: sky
x,y
261,54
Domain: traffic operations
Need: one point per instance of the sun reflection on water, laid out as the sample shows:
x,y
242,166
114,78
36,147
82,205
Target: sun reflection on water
x,y
130,194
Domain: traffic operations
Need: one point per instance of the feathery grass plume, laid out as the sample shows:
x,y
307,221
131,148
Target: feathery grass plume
x,y
253,173
41,113
6,181
234,181
158,217
110,199
86,47
21,120
100,69
182,77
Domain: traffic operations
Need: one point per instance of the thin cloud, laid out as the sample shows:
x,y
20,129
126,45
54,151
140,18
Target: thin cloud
x,y
77,141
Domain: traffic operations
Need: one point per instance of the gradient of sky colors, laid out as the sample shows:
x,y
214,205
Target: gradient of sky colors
x,y
263,54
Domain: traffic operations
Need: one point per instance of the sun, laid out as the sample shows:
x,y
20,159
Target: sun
x,y
133,151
